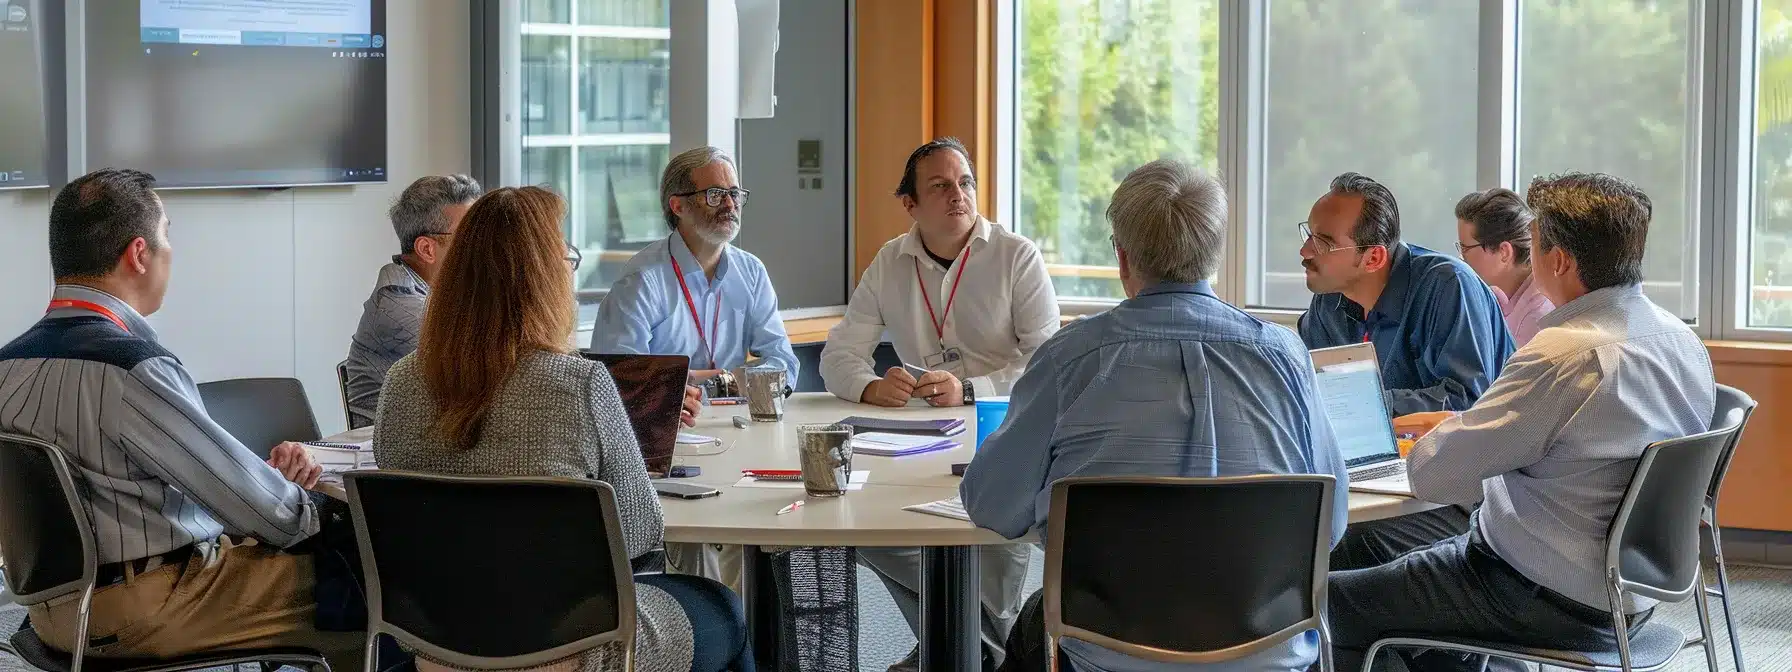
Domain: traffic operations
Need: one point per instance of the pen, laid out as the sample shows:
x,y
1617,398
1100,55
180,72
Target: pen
x,y
724,402
792,507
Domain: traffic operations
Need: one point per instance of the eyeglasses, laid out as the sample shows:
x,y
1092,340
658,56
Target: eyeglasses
x,y
1463,249
713,196
1320,245
574,256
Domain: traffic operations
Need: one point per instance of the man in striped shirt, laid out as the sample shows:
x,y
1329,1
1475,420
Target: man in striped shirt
x,y
189,523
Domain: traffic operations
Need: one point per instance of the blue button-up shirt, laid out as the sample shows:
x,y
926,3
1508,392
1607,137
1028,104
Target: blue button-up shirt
x,y
645,311
1436,327
1156,387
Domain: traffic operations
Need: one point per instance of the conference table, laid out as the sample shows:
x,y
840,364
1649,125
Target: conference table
x,y
871,516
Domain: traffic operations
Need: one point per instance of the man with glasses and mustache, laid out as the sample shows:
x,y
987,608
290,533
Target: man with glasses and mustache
x,y
1436,328
424,218
696,295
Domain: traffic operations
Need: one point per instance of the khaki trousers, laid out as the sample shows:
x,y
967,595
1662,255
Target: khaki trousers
x,y
228,595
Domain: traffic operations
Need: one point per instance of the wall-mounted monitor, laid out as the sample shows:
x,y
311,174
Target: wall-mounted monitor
x,y
25,51
237,93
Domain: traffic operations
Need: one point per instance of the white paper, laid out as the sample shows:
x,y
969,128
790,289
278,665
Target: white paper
x,y
1389,485
335,460
858,481
946,508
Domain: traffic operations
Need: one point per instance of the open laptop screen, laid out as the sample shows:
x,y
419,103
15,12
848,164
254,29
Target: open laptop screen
x,y
1350,389
652,390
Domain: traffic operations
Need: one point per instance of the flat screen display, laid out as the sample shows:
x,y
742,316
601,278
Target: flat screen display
x,y
24,158
226,93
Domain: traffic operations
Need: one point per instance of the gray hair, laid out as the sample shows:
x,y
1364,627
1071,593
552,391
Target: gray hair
x,y
677,178
418,211
1170,219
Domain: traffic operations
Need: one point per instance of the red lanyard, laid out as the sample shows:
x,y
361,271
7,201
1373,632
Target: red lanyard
x,y
714,316
939,323
59,304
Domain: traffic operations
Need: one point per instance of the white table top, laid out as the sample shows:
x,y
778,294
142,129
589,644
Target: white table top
x,y
869,517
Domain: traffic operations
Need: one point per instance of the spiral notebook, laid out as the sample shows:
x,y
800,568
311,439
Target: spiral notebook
x,y
886,444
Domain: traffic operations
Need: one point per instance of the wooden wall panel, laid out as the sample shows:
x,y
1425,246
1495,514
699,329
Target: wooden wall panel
x,y
964,82
1757,491
893,110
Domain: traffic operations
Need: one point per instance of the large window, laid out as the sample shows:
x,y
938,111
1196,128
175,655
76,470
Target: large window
x,y
595,126
1386,88
1769,278
1606,85
1105,86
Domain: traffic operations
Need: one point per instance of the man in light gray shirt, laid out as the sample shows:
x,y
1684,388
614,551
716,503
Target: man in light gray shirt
x,y
1550,447
424,219
188,523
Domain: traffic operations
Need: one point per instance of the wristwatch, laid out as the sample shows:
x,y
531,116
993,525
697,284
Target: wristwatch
x,y
970,392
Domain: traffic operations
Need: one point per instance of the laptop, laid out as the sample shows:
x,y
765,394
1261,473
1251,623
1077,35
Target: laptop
x,y
1350,388
652,389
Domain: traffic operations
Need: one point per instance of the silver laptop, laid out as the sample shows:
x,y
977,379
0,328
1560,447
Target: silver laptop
x,y
1350,388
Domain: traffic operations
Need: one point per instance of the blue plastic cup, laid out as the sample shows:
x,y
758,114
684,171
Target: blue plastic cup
x,y
990,413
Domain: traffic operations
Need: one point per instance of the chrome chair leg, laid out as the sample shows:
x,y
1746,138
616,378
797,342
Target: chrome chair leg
x,y
82,613
1704,607
1723,595
1051,653
1620,624
1326,662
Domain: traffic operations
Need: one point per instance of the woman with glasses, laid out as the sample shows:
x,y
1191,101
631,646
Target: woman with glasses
x,y
494,390
1493,235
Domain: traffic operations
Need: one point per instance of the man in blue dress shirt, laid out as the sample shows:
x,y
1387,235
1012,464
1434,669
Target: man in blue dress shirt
x,y
695,294
1550,449
1157,386
1436,327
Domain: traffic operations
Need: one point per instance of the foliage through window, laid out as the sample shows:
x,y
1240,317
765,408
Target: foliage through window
x,y
1769,280
1103,87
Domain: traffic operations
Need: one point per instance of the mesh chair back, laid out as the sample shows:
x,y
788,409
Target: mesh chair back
x,y
552,576
1118,545
1654,539
44,533
1729,399
261,412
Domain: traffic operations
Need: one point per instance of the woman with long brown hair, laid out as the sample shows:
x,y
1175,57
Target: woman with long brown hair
x,y
493,389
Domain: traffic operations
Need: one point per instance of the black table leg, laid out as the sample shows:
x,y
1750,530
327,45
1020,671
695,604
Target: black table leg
x,y
760,596
951,610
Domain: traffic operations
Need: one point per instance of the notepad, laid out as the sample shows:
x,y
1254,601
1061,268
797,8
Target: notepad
x,y
886,444
946,508
945,427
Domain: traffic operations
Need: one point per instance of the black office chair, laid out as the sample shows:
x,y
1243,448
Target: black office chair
x,y
342,389
1652,551
808,359
1269,535
422,535
261,412
1728,399
49,550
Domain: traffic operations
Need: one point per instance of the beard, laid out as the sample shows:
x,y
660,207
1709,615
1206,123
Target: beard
x,y
721,227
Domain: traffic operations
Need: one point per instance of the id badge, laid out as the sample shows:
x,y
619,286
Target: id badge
x,y
945,359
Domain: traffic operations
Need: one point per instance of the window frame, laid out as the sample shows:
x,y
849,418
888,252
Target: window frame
x,y
1720,181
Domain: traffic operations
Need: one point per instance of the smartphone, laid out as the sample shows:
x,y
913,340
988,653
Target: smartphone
x,y
684,490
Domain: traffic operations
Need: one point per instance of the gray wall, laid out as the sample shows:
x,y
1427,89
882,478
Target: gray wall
x,y
270,283
801,233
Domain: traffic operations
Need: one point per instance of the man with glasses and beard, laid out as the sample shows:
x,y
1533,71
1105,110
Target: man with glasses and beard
x,y
696,295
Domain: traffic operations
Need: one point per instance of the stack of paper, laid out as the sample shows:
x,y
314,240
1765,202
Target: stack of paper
x,y
885,444
946,508
341,457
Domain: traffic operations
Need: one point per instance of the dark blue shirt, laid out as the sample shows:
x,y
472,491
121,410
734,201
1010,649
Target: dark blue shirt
x,y
1436,327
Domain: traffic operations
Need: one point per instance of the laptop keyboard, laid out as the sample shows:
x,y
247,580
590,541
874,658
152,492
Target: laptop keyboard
x,y
1379,471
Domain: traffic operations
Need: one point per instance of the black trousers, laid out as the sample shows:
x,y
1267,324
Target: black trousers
x,y
1456,587
1026,641
1378,542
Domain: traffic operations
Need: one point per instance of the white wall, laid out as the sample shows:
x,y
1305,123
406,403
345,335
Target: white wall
x,y
270,283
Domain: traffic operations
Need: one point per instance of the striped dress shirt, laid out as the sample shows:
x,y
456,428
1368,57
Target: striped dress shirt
x,y
157,473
